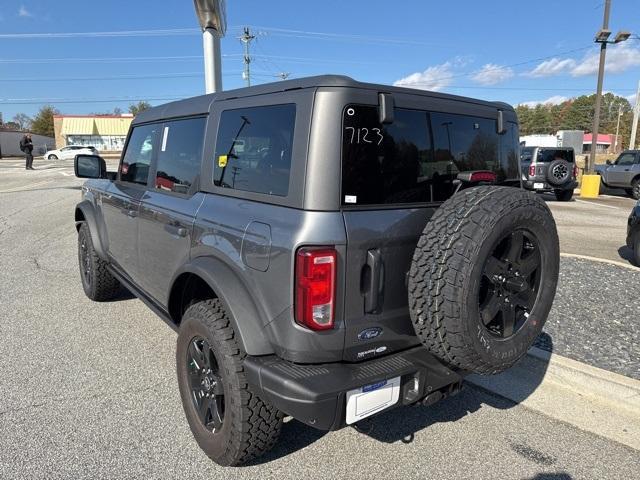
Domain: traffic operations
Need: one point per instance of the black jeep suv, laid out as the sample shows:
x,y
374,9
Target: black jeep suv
x,y
326,249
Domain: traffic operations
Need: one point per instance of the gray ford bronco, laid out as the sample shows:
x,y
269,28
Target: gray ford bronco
x,y
326,249
550,169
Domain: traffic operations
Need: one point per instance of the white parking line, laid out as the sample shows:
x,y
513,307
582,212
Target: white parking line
x,y
26,188
598,204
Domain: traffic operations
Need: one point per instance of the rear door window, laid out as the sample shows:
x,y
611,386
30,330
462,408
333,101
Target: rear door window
x,y
253,149
180,156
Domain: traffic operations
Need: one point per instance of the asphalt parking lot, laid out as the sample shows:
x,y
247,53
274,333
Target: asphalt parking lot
x,y
594,227
89,390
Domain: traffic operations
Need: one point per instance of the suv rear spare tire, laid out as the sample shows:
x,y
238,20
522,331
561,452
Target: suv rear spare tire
x,y
559,172
483,277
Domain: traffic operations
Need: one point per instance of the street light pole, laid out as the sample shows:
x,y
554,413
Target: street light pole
x,y
596,116
212,60
213,21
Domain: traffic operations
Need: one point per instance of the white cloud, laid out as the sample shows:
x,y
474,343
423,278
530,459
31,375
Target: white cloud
x,y
631,98
555,100
23,12
553,66
490,74
619,59
433,78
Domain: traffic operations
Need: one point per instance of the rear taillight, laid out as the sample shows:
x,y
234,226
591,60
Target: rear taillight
x,y
315,285
575,171
532,170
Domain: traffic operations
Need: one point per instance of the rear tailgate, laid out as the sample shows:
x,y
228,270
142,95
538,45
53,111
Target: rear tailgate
x,y
380,248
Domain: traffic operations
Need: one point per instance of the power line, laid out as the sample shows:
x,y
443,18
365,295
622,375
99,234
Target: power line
x,y
126,77
30,101
122,33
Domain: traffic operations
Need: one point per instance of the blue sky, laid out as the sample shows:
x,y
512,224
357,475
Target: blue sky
x,y
508,50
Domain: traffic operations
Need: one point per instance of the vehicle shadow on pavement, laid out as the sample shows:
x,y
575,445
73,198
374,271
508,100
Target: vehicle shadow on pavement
x,y
122,295
402,424
501,391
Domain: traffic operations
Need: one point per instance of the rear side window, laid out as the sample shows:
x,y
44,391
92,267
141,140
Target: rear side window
x,y
417,158
180,155
253,149
134,167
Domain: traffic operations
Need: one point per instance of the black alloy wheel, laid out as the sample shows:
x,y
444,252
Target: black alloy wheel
x,y
510,283
207,391
85,260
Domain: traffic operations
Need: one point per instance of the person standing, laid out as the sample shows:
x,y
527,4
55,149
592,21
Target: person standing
x,y
26,145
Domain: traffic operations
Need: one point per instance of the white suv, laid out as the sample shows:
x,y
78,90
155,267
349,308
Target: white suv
x,y
70,152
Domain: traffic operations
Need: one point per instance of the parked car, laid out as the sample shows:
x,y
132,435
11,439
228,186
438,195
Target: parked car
x,y
549,169
69,152
326,249
633,233
624,173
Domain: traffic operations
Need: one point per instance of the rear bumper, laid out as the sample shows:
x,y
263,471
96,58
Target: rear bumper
x,y
316,394
547,187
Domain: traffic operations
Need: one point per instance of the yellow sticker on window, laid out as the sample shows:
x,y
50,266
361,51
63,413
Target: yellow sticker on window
x,y
222,161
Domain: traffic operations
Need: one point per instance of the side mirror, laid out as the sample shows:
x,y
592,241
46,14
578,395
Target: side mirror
x,y
90,166
608,162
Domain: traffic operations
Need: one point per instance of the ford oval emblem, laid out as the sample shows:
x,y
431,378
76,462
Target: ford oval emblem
x,y
370,333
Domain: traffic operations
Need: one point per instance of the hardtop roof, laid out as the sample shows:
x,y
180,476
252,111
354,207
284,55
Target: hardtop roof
x,y
201,104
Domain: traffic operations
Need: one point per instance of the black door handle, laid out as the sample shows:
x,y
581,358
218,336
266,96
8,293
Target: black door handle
x,y
373,295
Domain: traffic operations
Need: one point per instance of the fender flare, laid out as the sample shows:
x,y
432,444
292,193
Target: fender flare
x,y
244,314
89,214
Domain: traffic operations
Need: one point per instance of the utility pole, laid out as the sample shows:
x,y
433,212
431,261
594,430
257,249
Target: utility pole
x,y
246,39
596,116
615,144
634,125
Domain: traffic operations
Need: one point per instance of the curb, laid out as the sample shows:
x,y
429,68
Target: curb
x,y
599,384
594,400
601,260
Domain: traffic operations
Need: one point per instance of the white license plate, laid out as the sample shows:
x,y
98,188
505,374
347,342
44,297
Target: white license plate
x,y
538,186
365,401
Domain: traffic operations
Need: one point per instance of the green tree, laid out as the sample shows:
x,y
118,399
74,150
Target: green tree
x,y
43,121
136,108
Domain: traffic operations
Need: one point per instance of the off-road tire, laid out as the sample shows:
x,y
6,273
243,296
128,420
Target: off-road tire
x,y
636,249
564,195
251,426
448,266
558,172
635,189
98,284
